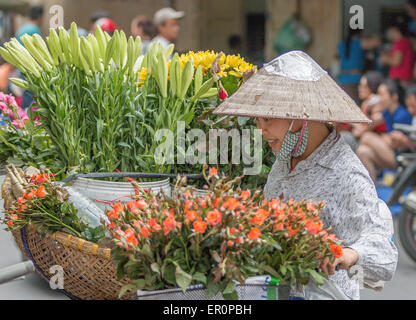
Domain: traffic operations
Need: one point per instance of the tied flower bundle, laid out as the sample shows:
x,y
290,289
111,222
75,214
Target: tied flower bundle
x,y
216,240
45,206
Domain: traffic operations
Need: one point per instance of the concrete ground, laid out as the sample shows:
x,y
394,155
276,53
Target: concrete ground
x,y
33,287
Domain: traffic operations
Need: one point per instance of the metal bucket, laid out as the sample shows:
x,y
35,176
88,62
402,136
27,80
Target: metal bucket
x,y
101,191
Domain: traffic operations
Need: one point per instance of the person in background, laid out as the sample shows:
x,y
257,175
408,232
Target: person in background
x,y
351,54
145,29
97,15
166,21
400,140
411,10
107,25
33,25
235,44
401,57
378,151
367,92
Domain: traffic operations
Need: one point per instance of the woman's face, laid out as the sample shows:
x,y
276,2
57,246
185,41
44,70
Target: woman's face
x,y
386,99
364,90
274,130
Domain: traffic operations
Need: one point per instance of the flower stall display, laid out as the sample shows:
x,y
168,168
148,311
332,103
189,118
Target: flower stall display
x,y
217,240
23,141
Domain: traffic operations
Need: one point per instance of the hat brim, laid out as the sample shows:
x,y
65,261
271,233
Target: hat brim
x,y
271,96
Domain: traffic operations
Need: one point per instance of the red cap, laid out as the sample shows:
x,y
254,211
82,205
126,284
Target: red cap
x,y
106,25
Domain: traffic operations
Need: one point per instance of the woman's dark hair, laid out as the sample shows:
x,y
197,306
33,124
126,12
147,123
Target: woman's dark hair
x,y
374,79
148,28
392,86
35,12
351,34
411,91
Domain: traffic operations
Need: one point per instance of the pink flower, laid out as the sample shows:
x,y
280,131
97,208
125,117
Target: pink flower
x,y
20,123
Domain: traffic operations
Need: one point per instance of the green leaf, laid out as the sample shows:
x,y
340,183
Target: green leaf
x,y
230,296
126,288
212,289
183,279
230,288
316,276
155,267
200,277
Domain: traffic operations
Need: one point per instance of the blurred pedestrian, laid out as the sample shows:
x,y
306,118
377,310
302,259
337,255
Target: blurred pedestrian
x,y
401,58
33,25
351,54
367,92
378,151
97,15
145,29
107,25
166,21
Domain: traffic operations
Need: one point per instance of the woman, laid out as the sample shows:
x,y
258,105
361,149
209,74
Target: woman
x,y
378,151
367,92
293,100
401,58
352,56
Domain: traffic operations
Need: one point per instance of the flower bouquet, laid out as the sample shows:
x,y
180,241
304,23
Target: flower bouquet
x,y
23,141
218,240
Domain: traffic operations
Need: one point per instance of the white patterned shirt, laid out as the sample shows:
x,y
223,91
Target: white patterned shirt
x,y
333,173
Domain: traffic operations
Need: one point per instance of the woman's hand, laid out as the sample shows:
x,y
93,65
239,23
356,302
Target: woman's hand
x,y
348,259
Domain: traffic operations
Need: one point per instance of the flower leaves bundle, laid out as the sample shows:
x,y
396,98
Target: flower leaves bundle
x,y
45,206
216,240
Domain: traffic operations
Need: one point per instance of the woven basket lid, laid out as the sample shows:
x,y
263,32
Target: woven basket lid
x,y
293,86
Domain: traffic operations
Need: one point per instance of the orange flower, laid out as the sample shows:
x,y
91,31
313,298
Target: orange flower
x,y
254,233
216,201
141,204
112,215
9,223
191,215
239,240
145,232
245,194
313,228
279,226
132,206
336,250
169,224
22,208
118,208
154,225
231,204
233,230
200,226
131,237
28,195
14,216
310,206
214,217
20,200
230,243
292,231
274,204
213,171
259,218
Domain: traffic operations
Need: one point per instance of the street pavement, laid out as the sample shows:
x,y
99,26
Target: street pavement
x,y
33,287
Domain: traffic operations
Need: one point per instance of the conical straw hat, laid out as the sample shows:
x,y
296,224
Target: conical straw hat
x,y
293,86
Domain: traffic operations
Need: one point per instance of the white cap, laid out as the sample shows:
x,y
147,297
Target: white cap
x,y
167,13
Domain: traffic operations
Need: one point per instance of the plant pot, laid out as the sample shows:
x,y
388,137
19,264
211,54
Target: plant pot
x,y
255,288
101,191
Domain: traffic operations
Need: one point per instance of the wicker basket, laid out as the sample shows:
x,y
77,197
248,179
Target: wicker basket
x,y
89,273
